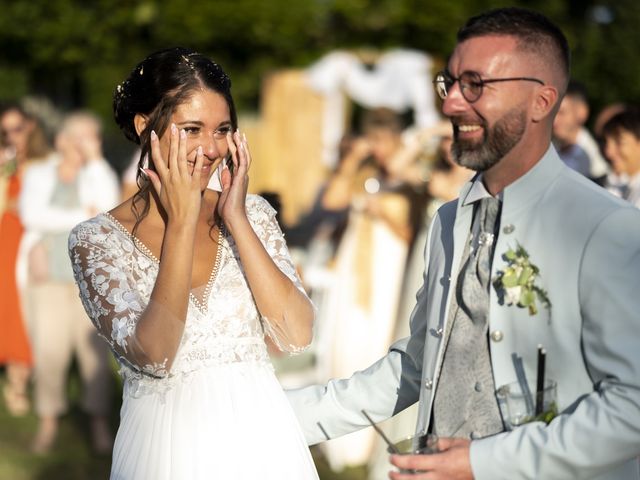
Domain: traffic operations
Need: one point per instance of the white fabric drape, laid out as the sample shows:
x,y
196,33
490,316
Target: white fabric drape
x,y
399,80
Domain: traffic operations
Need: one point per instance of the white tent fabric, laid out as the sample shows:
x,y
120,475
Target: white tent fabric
x,y
399,80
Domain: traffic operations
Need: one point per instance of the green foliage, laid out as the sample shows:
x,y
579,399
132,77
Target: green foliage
x,y
14,82
516,282
77,50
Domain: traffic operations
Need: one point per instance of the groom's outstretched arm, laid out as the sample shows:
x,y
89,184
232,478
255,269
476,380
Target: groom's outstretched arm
x,y
385,388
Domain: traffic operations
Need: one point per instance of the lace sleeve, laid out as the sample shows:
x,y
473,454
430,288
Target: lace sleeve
x,y
109,275
263,220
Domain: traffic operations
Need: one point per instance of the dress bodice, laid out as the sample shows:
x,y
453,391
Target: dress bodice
x,y
116,274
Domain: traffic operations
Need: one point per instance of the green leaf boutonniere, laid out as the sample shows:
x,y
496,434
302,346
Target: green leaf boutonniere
x,y
516,283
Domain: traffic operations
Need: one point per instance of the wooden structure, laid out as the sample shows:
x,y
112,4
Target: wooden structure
x,y
286,142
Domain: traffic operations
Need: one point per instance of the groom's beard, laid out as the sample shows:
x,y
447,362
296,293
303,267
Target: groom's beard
x,y
495,144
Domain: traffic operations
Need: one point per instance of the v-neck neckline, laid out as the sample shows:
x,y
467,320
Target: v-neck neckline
x,y
200,304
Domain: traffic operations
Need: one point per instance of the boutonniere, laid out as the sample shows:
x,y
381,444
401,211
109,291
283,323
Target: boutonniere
x,y
516,284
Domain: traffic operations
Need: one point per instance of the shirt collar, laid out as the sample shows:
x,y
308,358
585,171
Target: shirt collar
x,y
478,191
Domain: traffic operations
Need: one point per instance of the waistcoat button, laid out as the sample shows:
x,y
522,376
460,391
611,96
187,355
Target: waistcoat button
x,y
497,335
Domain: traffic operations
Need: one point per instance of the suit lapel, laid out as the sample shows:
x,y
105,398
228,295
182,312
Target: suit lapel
x,y
461,228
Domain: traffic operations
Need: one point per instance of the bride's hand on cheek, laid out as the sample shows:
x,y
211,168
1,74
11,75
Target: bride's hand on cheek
x,y
177,189
231,205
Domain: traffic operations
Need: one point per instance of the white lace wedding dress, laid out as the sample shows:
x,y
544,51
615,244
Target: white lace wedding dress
x,y
218,412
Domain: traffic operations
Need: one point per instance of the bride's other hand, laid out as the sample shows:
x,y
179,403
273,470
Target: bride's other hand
x,y
231,205
178,191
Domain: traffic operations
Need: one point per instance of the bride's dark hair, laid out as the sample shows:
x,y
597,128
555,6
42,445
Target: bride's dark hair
x,y
154,88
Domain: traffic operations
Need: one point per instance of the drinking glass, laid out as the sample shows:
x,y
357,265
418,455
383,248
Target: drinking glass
x,y
415,445
518,406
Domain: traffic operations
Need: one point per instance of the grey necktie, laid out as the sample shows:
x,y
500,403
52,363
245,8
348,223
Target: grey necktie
x,y
477,273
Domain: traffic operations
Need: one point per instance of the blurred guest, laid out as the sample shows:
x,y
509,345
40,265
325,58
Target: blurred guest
x,y
72,186
129,179
324,220
622,148
575,145
412,162
22,141
446,178
604,115
369,264
313,242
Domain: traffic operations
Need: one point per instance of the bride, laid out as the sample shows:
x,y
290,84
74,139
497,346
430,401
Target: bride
x,y
183,282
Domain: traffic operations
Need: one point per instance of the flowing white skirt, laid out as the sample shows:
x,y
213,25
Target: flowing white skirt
x,y
229,421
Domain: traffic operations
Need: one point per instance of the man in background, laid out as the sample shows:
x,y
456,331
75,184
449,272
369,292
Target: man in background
x,y
575,145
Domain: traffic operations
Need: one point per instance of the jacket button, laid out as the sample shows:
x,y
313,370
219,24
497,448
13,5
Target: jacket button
x,y
428,384
436,332
497,335
477,387
509,228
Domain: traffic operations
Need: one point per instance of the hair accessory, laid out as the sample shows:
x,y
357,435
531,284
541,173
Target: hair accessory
x,y
121,90
189,62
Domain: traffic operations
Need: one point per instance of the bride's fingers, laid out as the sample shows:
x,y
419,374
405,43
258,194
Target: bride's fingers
x,y
156,156
197,169
154,179
183,168
243,157
225,178
233,149
245,143
173,149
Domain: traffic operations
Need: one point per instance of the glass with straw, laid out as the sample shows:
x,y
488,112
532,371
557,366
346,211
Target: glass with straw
x,y
519,405
411,445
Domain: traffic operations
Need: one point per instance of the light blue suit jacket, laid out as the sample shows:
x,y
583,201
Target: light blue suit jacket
x,y
587,246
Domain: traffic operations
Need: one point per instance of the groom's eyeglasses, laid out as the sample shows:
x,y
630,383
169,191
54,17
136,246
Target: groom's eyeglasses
x,y
471,84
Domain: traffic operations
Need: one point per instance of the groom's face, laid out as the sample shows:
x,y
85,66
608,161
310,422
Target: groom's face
x,y
486,130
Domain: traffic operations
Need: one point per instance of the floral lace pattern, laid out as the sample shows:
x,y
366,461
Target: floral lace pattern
x,y
116,276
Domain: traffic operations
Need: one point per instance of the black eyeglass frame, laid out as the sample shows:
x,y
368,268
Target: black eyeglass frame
x,y
443,81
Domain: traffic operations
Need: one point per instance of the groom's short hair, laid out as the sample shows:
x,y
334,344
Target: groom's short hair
x,y
534,33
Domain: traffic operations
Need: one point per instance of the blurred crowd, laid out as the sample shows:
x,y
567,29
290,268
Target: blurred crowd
x,y
359,249
51,180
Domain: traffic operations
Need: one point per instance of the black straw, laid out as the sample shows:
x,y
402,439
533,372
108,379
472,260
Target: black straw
x,y
324,432
392,447
542,354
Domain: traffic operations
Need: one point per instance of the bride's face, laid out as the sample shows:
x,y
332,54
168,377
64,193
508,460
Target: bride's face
x,y
206,120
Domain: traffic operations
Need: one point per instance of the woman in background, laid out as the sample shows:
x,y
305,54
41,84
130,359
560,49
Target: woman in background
x,y
22,142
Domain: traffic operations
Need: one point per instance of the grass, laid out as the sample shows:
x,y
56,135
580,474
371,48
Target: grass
x,y
72,457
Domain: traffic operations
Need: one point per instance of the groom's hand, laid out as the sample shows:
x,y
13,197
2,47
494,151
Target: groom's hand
x,y
450,463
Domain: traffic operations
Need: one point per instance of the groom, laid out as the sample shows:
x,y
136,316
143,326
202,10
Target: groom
x,y
530,254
